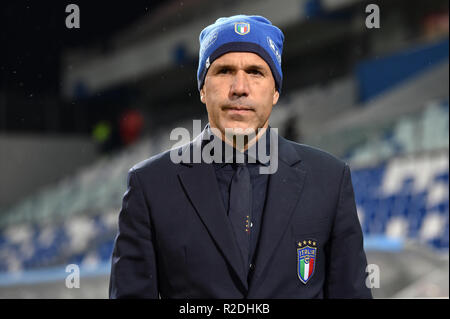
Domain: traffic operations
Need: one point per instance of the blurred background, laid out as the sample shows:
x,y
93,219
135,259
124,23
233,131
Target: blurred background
x,y
79,107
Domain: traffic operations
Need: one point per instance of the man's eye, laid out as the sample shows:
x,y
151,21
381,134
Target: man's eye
x,y
224,71
257,72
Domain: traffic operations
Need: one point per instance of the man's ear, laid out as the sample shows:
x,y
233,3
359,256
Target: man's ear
x,y
202,96
276,96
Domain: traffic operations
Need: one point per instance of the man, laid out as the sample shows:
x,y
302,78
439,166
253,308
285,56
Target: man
x,y
224,229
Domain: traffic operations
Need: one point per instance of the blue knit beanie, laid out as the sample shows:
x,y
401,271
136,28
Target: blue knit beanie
x,y
241,33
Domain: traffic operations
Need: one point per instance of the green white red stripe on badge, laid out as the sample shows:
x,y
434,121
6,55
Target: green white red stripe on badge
x,y
242,28
306,258
306,268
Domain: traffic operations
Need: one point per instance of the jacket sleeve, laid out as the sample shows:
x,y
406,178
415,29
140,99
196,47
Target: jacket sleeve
x,y
346,262
133,265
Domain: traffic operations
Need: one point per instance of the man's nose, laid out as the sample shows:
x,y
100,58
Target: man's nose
x,y
240,85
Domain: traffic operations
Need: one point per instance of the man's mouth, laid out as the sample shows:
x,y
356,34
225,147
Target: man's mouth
x,y
238,109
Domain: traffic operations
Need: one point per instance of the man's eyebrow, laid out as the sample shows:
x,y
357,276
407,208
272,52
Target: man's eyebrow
x,y
224,65
247,67
257,67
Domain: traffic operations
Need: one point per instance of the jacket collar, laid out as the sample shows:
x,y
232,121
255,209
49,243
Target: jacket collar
x,y
285,150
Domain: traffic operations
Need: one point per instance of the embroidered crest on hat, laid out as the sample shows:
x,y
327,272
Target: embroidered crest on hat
x,y
242,28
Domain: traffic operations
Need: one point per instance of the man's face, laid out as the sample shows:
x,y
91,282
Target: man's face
x,y
239,92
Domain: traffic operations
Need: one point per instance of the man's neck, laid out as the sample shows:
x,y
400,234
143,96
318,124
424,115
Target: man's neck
x,y
248,140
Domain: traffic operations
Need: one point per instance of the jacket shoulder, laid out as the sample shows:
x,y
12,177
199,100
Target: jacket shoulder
x,y
314,156
157,163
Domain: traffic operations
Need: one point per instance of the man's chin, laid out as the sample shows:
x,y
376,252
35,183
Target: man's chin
x,y
238,127
242,130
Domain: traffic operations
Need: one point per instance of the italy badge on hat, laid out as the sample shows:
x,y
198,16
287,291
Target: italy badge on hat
x,y
242,28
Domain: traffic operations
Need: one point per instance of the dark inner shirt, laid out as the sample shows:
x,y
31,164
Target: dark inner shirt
x,y
224,174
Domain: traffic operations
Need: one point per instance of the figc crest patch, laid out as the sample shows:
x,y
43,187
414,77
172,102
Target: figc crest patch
x,y
306,259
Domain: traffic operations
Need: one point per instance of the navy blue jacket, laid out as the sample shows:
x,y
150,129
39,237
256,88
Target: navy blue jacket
x,y
175,240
